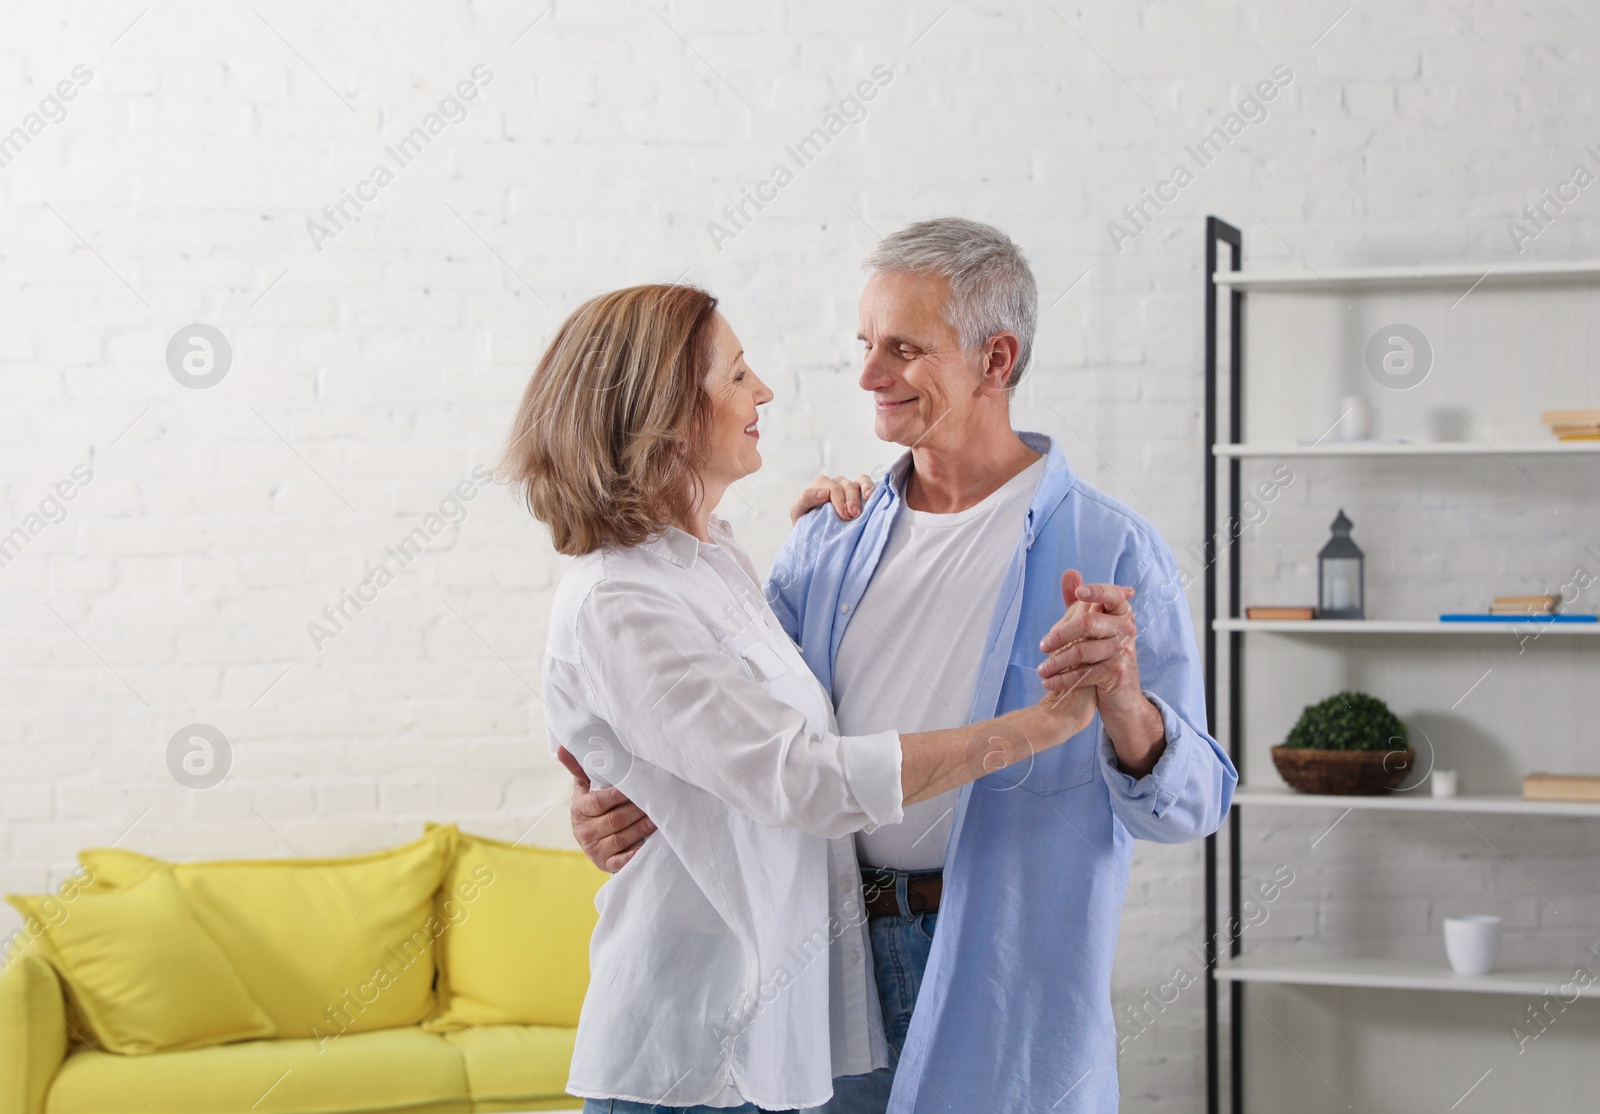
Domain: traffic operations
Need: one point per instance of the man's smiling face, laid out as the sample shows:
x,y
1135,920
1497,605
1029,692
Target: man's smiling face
x,y
912,360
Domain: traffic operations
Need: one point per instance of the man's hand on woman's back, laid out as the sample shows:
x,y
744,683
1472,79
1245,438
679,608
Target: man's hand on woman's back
x,y
608,826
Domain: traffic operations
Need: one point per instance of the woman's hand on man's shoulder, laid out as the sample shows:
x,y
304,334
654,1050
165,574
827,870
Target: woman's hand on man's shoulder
x,y
847,496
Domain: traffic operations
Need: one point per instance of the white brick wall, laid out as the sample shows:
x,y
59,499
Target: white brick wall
x,y
369,377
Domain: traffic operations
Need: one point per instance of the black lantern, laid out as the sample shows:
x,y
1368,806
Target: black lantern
x,y
1341,576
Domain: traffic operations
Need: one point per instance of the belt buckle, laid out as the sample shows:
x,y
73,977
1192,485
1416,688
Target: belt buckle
x,y
916,903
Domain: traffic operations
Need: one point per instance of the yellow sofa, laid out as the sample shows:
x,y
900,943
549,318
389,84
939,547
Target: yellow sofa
x,y
440,977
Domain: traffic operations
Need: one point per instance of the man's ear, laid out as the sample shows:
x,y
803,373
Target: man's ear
x,y
1000,361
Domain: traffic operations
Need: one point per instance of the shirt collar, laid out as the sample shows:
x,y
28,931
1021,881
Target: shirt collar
x,y
1055,485
1056,482
681,547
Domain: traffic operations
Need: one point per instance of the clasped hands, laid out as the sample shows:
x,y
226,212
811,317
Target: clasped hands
x,y
1092,665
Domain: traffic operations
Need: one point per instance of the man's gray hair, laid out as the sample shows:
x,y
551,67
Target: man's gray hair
x,y
991,285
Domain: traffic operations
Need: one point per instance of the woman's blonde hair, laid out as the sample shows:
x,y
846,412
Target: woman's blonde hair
x,y
604,444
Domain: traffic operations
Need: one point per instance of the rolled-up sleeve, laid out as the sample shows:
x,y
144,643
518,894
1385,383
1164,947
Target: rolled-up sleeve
x,y
1191,787
674,696
1184,797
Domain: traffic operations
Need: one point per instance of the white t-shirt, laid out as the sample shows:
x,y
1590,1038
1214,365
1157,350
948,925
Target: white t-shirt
x,y
909,657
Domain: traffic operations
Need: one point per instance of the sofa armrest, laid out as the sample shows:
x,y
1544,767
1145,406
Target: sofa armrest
x,y
33,1033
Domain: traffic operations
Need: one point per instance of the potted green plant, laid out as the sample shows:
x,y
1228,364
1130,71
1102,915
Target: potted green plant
x,y
1349,744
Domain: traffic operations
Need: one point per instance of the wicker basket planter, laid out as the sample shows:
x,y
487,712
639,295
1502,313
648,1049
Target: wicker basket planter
x,y
1348,773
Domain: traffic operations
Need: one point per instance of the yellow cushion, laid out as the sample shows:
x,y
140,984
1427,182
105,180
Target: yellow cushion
x,y
517,951
145,974
33,1031
326,946
29,940
393,1070
516,1063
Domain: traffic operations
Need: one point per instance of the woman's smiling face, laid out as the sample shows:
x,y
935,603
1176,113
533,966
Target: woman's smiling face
x,y
731,451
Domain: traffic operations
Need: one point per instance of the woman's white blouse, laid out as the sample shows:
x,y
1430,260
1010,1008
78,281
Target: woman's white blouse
x,y
731,961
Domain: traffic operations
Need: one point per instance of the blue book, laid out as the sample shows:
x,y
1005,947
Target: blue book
x,y
1467,617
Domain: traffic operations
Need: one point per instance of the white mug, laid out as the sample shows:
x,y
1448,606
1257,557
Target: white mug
x,y
1472,942
1355,418
1443,783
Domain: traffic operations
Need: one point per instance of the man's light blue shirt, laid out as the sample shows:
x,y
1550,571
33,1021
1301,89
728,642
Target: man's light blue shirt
x,y
1014,1013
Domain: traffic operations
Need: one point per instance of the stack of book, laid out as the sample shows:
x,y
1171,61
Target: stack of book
x,y
1573,425
1542,604
1543,607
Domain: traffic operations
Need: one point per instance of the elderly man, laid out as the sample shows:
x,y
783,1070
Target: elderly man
x,y
926,605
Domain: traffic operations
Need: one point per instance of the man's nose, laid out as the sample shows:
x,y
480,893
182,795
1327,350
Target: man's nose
x,y
874,374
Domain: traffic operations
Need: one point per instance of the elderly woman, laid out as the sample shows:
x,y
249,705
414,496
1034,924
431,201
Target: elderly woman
x,y
729,967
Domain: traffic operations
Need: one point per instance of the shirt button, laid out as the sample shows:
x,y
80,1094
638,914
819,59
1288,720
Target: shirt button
x,y
844,608
855,957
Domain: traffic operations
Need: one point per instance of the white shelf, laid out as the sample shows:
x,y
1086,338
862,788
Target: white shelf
x,y
1400,626
1415,448
1413,800
1397,974
1469,273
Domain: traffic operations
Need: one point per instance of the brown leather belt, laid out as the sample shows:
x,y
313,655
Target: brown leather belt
x,y
923,890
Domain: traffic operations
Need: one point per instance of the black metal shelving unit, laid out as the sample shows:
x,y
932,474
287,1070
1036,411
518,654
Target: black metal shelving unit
x,y
1220,234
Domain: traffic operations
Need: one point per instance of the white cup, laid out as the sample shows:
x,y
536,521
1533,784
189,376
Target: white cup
x,y
1472,942
1443,783
1355,418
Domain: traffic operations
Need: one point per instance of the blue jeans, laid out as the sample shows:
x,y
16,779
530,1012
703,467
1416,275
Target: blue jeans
x,y
900,947
623,1106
